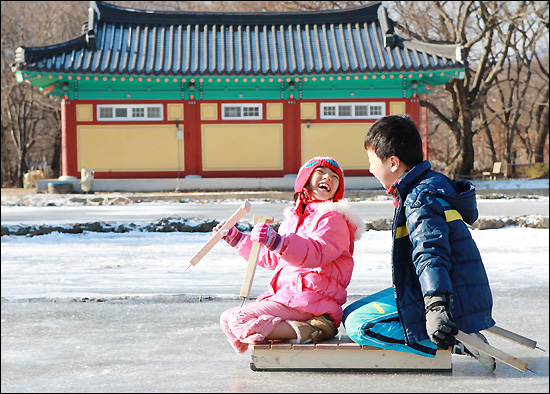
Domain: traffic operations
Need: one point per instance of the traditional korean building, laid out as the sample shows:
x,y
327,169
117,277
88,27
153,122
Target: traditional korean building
x,y
159,94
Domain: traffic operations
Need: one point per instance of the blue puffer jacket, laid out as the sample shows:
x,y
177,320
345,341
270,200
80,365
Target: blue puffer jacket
x,y
433,252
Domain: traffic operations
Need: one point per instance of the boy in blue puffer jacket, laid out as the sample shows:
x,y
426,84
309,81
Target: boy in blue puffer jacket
x,y
439,282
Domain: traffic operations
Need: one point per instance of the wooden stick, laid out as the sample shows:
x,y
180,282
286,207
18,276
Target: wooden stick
x,y
253,260
473,341
239,213
512,336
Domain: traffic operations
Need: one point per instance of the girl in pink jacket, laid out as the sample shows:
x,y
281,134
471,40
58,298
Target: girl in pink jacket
x,y
311,256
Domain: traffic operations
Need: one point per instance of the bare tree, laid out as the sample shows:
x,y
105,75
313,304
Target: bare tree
x,y
543,125
520,95
22,121
485,29
541,112
29,127
281,6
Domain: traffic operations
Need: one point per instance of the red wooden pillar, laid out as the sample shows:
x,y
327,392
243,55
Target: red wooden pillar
x,y
69,152
192,138
292,136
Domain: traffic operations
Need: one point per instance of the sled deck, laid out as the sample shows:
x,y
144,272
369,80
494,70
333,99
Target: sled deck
x,y
342,354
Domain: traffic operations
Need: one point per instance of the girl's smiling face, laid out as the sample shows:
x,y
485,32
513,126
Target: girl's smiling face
x,y
323,184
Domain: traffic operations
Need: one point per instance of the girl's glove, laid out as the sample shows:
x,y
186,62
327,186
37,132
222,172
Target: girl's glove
x,y
231,236
264,234
439,325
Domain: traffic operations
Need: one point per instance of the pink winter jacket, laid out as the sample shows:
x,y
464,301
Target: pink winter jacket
x,y
315,263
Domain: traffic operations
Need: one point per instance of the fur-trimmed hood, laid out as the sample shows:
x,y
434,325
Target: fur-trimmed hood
x,y
343,207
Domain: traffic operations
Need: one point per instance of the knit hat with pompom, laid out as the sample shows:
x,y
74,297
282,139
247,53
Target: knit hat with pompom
x,y
307,169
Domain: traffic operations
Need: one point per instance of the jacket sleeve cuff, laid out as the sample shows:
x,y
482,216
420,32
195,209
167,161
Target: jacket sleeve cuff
x,y
436,282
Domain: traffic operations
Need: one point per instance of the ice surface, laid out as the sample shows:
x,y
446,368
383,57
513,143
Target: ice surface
x,y
146,331
179,347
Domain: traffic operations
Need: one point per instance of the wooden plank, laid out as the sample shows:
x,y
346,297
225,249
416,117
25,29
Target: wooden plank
x,y
239,213
253,260
281,346
473,341
326,346
341,354
263,346
345,343
512,336
301,346
349,346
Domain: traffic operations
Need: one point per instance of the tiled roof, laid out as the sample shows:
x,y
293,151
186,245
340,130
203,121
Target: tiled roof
x,y
127,41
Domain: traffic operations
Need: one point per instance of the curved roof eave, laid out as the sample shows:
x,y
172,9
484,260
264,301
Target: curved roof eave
x,y
113,13
26,55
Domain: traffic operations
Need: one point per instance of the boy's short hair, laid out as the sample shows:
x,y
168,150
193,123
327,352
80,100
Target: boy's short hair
x,y
395,135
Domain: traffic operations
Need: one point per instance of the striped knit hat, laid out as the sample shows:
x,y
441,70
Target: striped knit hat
x,y
307,169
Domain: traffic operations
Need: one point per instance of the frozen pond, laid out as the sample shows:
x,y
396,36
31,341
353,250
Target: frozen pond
x,y
132,346
150,333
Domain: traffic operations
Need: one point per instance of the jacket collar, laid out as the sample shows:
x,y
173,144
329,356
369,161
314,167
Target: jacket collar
x,y
460,194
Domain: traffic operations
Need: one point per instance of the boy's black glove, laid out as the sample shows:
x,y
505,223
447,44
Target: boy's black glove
x,y
439,325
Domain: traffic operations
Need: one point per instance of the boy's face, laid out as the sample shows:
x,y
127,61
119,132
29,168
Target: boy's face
x,y
386,171
323,184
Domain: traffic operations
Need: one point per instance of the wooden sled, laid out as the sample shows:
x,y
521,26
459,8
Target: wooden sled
x,y
342,354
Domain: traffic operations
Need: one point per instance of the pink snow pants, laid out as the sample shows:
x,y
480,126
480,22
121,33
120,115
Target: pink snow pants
x,y
254,321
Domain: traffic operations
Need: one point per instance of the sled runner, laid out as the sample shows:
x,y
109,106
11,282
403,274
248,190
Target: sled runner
x,y
512,336
342,354
472,341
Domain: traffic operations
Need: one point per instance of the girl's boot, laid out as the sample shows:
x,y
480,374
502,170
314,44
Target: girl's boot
x,y
305,333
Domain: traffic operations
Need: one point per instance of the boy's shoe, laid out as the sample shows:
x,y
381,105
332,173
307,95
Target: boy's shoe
x,y
487,361
327,327
305,332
